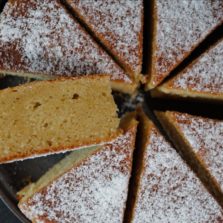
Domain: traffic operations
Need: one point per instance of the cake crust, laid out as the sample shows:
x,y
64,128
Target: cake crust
x,y
41,39
118,25
202,79
200,140
179,28
168,190
85,191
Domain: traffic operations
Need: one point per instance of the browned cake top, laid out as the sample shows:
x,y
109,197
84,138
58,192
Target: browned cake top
x,y
169,191
94,191
181,25
205,75
205,137
40,37
119,23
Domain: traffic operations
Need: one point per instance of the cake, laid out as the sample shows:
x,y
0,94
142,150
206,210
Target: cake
x,y
89,185
166,190
40,39
178,28
46,117
118,25
202,79
200,140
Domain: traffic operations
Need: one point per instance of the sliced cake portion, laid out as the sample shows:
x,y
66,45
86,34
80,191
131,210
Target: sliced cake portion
x,y
201,140
89,185
166,189
179,26
202,79
118,24
46,117
40,39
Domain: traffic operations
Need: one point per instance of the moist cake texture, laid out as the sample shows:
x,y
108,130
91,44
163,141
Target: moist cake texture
x,y
46,117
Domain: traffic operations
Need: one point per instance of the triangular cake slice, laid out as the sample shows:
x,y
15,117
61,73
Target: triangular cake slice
x,y
47,117
166,189
200,139
202,79
89,185
119,27
39,38
179,26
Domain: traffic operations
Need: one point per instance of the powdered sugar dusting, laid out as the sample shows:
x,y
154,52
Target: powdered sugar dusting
x,y
205,75
95,191
205,137
119,22
39,36
181,26
169,190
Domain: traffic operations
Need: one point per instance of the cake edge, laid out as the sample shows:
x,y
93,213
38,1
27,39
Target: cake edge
x,y
181,144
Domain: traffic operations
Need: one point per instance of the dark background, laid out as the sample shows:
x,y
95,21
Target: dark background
x,y
6,215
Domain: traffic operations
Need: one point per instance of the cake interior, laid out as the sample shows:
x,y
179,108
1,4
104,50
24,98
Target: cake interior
x,y
46,116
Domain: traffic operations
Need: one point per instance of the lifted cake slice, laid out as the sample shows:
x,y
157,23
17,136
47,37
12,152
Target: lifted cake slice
x,y
118,25
179,26
89,185
40,39
202,79
200,140
165,188
48,117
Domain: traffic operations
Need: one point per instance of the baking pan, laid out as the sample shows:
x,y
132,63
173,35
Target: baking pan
x,y
16,175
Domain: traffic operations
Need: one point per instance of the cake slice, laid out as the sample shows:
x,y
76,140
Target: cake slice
x,y
179,26
202,79
118,25
89,185
200,139
166,190
48,117
40,39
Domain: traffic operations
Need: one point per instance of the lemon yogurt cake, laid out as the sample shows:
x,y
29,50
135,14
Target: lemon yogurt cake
x,y
200,139
46,117
178,27
166,189
203,79
90,185
40,39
